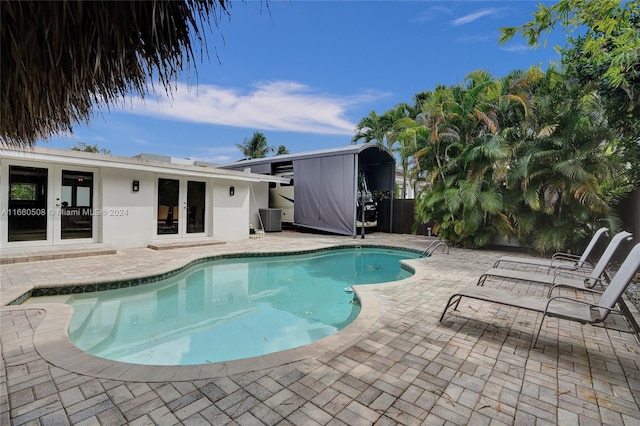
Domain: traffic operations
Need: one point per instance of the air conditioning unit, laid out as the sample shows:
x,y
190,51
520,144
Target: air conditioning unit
x,y
271,219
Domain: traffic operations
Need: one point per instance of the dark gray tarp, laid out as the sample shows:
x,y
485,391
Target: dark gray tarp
x,y
325,182
324,193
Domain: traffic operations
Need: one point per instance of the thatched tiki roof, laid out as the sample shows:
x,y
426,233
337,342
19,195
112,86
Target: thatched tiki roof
x,y
62,58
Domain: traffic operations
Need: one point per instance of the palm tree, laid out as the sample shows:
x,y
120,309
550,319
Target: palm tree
x,y
528,155
69,56
372,128
390,128
282,150
463,199
411,135
406,149
256,147
472,107
568,173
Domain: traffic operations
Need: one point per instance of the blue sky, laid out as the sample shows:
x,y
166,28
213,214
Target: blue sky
x,y
305,72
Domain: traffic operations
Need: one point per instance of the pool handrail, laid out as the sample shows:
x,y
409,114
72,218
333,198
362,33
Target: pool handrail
x,y
434,246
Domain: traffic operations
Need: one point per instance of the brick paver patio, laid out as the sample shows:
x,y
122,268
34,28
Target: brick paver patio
x,y
396,364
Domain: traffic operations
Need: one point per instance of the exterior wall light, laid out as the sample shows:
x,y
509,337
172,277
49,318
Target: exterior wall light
x,y
232,191
135,186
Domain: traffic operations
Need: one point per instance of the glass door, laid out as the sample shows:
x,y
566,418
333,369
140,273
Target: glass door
x,y
168,206
76,205
181,207
74,214
51,204
196,196
27,213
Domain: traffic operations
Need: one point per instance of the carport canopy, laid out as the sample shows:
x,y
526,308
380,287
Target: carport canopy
x,y
326,182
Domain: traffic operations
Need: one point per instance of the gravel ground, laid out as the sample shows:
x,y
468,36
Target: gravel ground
x,y
633,291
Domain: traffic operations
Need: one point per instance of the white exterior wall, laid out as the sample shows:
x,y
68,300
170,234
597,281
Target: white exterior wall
x,y
259,200
227,217
128,216
230,213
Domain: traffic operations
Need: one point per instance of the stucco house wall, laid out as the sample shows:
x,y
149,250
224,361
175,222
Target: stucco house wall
x,y
126,217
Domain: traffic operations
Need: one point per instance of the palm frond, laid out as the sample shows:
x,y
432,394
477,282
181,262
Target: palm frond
x,y
547,131
572,169
60,59
491,200
452,199
468,193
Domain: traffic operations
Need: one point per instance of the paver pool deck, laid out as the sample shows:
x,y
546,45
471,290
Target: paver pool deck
x,y
396,364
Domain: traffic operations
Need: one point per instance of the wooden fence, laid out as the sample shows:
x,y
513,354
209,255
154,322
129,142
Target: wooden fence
x,y
404,216
402,219
629,211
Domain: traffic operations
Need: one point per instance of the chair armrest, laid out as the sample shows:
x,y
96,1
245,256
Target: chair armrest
x,y
589,281
565,256
583,269
555,261
589,289
573,271
579,273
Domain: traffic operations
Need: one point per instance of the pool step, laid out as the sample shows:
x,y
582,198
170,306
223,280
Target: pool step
x,y
183,244
81,312
10,256
91,333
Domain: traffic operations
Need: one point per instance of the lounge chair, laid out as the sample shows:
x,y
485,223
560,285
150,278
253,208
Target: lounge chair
x,y
557,258
559,306
583,278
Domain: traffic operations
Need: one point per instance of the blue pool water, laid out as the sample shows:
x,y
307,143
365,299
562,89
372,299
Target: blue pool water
x,y
230,309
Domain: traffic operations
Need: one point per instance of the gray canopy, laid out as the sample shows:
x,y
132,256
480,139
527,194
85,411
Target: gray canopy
x,y
326,182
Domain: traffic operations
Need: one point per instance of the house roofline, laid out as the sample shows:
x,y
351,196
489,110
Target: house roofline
x,y
90,159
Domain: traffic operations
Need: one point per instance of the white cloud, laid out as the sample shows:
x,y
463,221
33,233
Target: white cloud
x,y
278,106
217,155
140,141
431,14
476,38
466,19
517,48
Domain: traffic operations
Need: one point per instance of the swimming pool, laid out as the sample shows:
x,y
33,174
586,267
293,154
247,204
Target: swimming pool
x,y
231,308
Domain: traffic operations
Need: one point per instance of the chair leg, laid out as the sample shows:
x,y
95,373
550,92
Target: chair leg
x,y
482,279
450,303
550,291
539,330
629,319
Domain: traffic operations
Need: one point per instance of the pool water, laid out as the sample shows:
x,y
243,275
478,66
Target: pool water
x,y
230,309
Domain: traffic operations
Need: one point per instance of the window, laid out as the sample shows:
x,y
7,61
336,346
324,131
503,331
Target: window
x,y
24,192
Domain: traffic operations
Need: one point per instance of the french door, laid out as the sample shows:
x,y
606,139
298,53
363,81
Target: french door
x,y
75,216
52,205
181,207
28,206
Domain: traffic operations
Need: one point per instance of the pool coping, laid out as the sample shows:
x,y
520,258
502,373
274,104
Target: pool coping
x,y
89,286
52,341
